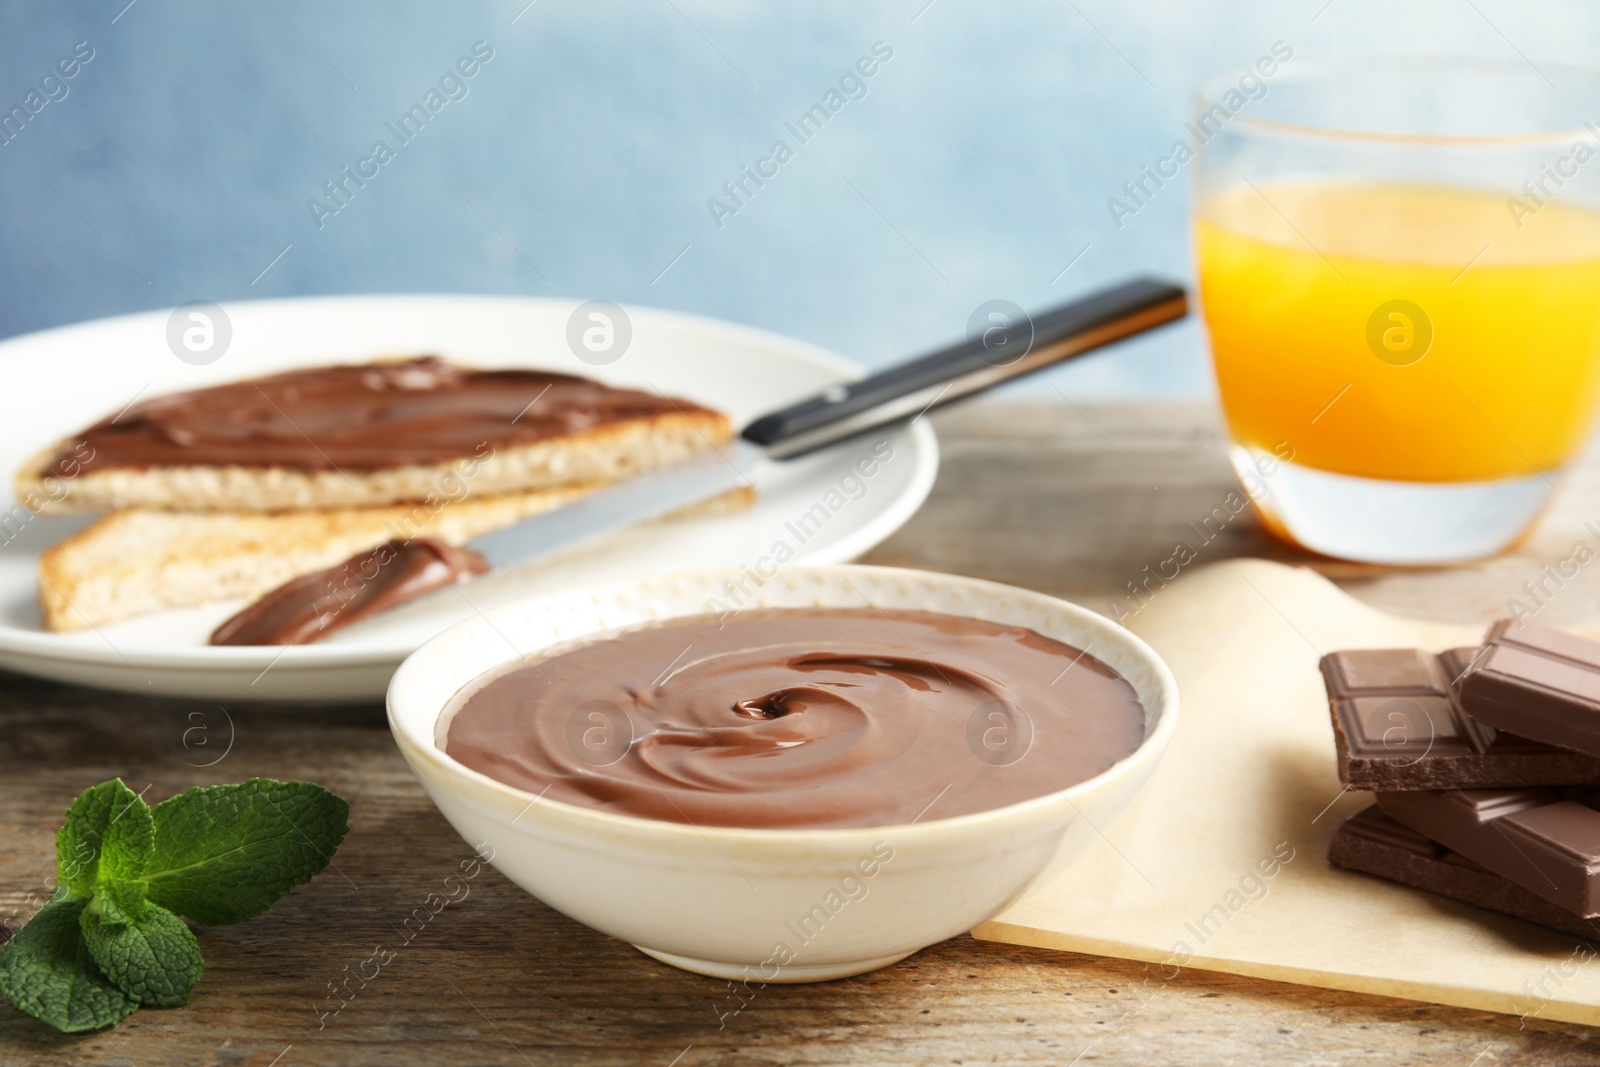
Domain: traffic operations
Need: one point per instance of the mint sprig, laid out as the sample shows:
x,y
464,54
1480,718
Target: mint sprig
x,y
111,938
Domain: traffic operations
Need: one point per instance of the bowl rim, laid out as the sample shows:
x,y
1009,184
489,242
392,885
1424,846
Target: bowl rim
x,y
1143,758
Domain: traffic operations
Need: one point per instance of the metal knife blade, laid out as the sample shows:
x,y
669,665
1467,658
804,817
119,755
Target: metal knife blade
x,y
652,494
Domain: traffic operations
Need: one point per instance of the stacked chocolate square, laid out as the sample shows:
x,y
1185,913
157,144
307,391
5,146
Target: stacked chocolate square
x,y
1486,766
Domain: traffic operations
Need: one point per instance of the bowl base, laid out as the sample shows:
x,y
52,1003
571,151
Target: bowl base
x,y
788,974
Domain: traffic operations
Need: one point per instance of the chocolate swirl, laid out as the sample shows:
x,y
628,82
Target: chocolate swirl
x,y
800,718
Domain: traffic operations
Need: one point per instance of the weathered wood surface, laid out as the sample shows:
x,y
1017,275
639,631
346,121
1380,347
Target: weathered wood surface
x,y
1077,500
1071,501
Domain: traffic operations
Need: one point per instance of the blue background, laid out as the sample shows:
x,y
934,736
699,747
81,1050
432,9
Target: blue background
x,y
977,166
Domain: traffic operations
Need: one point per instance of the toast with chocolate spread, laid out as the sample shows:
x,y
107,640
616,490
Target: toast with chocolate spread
x,y
141,560
365,435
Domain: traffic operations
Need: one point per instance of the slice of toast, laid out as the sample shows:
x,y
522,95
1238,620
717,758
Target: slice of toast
x,y
364,436
138,561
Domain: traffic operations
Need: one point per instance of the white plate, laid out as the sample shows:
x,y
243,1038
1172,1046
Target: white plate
x,y
59,380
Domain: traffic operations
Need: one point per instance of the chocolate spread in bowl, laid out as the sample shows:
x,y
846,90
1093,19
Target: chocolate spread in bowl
x,y
789,718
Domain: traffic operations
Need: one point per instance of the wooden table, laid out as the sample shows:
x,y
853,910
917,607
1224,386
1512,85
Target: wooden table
x,y
1072,500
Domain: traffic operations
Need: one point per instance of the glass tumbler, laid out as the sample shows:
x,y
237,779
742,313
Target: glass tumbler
x,y
1399,269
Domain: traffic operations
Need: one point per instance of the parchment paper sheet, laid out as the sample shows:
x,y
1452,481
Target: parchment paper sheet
x,y
1182,880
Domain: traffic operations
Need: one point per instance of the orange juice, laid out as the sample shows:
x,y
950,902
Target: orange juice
x,y
1408,333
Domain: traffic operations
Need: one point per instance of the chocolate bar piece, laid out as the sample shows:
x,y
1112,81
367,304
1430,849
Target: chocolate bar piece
x,y
1398,725
1373,843
1537,682
1545,840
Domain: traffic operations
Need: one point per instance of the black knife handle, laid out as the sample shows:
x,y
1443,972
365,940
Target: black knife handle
x,y
1002,353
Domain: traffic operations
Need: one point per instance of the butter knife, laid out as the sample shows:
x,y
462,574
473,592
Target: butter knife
x,y
301,610
1003,352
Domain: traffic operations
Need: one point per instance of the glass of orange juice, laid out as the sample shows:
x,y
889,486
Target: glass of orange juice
x,y
1399,265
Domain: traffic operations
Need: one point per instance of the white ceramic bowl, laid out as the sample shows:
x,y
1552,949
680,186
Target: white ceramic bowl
x,y
770,905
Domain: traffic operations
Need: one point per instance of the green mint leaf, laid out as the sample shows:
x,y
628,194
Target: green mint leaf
x,y
46,970
224,853
107,834
144,949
